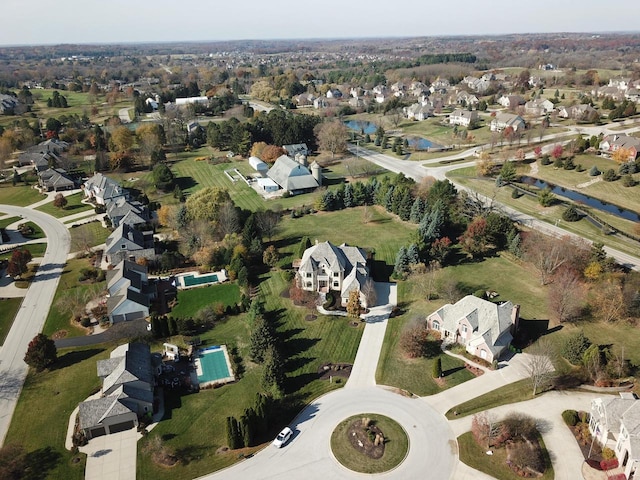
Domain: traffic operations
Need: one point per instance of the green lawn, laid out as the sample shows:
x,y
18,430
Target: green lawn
x,y
42,414
20,196
73,206
69,289
37,232
36,249
192,300
8,221
494,465
8,309
513,393
92,233
385,234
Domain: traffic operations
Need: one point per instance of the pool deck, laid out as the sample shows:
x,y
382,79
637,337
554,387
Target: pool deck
x,y
218,381
221,275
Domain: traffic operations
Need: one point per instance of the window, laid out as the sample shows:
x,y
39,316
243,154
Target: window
x,y
336,284
308,274
308,284
436,325
336,274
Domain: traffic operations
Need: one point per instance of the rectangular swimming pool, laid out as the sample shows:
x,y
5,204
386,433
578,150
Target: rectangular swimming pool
x,y
191,280
212,366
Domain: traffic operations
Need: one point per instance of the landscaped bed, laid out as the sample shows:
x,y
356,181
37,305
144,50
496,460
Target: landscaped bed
x,y
369,443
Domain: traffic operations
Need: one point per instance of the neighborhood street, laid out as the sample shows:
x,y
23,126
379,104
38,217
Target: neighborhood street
x,y
30,319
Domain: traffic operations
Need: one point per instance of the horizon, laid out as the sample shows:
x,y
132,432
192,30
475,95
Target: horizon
x,y
162,21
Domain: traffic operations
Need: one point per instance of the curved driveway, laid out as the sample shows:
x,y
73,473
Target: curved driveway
x,y
30,319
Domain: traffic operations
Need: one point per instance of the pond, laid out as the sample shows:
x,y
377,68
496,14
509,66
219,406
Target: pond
x,y
422,143
581,198
362,126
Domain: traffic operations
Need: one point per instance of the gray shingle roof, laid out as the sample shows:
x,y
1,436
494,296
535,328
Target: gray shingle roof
x,y
291,175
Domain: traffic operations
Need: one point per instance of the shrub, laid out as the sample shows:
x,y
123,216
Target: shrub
x,y
594,172
570,417
568,164
416,341
628,181
480,294
515,193
558,163
608,454
574,347
545,160
571,214
610,175
437,368
579,168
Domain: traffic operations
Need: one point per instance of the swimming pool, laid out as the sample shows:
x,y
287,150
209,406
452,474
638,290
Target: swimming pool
x,y
213,366
191,280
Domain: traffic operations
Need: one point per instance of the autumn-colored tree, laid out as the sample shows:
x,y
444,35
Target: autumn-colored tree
x,y
270,153
440,249
537,151
18,263
41,352
59,201
150,138
622,155
257,148
353,304
484,165
204,204
121,140
607,300
166,215
13,462
332,136
557,151
474,241
270,256
520,155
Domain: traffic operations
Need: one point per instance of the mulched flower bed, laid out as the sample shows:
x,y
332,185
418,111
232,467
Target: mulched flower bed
x,y
362,438
475,370
341,370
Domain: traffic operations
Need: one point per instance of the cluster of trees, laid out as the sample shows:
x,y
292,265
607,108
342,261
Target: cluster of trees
x,y
274,128
519,431
252,426
57,100
264,349
602,364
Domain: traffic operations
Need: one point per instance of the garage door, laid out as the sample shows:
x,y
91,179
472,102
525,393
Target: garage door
x,y
97,432
121,427
133,316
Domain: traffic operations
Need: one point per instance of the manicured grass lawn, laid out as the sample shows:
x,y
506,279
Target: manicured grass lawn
x,y
20,196
191,301
8,221
74,205
514,392
42,414
69,288
36,249
395,447
384,233
495,465
92,232
37,232
8,309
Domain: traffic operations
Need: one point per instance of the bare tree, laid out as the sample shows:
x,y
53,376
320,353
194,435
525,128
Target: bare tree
x,y
268,223
538,364
485,429
332,136
228,219
547,254
369,292
567,295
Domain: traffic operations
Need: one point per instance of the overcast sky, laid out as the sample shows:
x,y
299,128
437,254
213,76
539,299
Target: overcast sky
x,y
113,21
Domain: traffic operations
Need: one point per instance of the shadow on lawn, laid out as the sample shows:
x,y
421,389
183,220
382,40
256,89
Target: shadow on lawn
x,y
72,358
40,462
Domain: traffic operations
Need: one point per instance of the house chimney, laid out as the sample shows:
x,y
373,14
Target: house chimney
x,y
515,318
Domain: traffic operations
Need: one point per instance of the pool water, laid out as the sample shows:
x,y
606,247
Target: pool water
x,y
191,280
213,365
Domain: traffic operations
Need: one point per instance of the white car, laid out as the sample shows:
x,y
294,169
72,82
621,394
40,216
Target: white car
x,y
283,437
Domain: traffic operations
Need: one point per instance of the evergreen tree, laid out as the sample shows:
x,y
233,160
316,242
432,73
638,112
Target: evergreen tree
x,y
304,244
262,338
401,266
250,231
247,427
273,374
348,198
413,256
230,433
432,222
417,210
437,368
406,204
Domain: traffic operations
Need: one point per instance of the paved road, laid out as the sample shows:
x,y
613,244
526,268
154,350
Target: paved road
x,y
33,313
